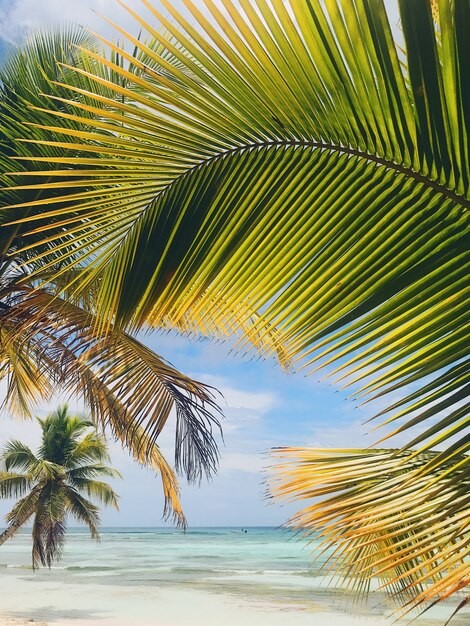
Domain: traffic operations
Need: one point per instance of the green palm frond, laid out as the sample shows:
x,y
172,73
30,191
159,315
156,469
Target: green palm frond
x,y
46,470
84,511
93,470
91,448
13,485
98,490
24,508
375,519
284,160
18,456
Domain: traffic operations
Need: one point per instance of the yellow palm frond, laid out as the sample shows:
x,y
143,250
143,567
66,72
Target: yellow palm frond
x,y
378,518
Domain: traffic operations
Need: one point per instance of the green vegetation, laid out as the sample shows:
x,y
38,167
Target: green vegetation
x,y
49,337
286,174
52,482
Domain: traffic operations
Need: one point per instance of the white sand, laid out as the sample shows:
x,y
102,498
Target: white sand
x,y
144,606
32,601
182,613
9,621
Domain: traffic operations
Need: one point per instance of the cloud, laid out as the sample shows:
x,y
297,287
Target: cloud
x,y
258,402
243,462
247,436
23,16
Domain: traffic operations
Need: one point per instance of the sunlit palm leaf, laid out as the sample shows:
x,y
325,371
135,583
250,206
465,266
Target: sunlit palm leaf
x,y
376,522
271,163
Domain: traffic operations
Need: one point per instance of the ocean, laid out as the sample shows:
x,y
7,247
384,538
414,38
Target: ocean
x,y
133,575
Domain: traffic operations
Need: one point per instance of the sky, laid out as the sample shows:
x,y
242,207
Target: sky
x,y
263,406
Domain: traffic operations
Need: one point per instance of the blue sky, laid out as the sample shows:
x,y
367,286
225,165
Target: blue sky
x,y
263,406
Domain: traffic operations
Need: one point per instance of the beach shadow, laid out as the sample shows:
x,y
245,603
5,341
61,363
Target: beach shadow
x,y
52,614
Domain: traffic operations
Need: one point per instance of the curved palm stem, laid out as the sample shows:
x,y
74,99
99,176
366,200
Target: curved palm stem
x,y
20,514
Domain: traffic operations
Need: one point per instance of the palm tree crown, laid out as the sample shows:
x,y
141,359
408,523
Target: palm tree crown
x,y
51,483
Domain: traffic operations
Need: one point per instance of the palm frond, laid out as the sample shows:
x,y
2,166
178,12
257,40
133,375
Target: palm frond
x,y
81,359
44,471
16,455
24,508
21,513
91,448
13,485
270,165
26,381
143,448
83,511
98,490
93,470
375,519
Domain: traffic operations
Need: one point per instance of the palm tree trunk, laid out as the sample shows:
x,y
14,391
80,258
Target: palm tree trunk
x,y
22,517
11,530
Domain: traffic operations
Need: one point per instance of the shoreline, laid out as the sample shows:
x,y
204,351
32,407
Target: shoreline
x,y
204,578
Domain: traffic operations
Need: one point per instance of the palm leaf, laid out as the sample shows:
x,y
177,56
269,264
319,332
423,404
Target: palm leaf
x,y
16,455
24,508
83,511
98,490
80,359
92,470
374,522
214,185
13,485
91,448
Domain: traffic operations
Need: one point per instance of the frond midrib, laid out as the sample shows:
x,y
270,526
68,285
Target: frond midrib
x,y
321,145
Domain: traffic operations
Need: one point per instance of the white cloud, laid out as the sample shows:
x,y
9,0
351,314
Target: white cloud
x,y
243,462
246,437
235,398
22,16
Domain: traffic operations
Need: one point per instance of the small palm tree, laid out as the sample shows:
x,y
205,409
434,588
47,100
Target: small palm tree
x,y
53,481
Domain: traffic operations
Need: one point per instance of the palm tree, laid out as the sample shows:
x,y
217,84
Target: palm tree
x,y
49,337
52,483
49,342
286,173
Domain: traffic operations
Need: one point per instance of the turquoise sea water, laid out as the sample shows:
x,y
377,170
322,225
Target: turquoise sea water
x,y
264,565
245,559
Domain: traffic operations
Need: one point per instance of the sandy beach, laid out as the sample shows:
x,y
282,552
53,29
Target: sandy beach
x,y
206,577
8,621
48,604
